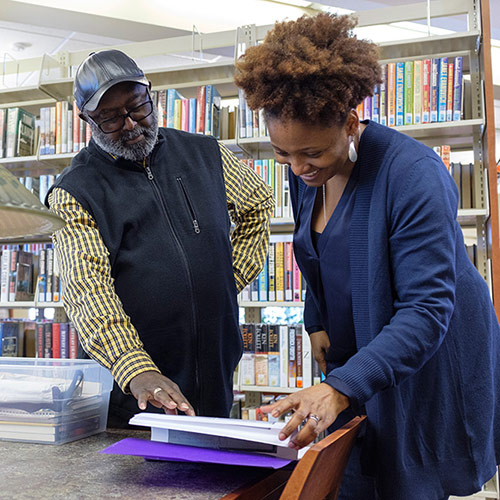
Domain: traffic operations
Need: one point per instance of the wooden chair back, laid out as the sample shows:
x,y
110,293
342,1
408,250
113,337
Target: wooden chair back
x,y
317,475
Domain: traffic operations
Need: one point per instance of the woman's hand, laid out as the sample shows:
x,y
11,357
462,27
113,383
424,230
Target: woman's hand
x,y
320,343
318,405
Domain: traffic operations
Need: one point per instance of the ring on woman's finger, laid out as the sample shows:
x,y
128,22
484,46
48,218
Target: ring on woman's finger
x,y
314,417
156,391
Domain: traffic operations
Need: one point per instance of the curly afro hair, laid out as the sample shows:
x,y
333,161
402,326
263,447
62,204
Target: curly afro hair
x,y
312,70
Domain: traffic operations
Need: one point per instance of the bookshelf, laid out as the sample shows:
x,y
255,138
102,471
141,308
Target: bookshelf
x,y
475,132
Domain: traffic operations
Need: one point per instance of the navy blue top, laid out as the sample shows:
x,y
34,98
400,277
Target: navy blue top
x,y
331,251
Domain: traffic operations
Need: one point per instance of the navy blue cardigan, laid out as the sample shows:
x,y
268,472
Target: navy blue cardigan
x,y
427,366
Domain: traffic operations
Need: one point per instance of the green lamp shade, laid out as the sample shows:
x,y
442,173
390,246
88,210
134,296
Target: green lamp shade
x,y
22,217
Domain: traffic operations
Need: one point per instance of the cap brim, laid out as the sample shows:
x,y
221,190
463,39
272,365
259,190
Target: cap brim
x,y
93,102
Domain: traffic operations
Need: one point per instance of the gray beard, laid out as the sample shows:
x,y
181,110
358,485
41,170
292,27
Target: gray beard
x,y
120,148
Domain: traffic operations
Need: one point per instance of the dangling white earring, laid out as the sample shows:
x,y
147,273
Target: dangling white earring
x,y
353,154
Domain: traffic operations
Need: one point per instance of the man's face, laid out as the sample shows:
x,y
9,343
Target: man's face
x,y
135,139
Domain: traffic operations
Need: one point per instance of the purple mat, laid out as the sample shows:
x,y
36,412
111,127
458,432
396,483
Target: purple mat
x,y
181,453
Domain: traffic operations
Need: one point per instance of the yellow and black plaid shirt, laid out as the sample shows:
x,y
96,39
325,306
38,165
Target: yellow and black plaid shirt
x,y
90,300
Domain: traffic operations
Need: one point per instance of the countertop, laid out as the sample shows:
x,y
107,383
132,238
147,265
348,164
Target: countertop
x,y
77,470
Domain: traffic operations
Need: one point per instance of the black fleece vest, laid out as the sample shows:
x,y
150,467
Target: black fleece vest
x,y
167,232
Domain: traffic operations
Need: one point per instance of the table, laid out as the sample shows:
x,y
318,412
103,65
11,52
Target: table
x,y
77,471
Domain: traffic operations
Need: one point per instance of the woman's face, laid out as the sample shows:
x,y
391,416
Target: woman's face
x,y
315,153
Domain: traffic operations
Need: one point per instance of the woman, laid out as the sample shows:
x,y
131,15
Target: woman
x,y
399,319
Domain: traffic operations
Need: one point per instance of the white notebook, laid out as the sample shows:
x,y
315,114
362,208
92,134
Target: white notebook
x,y
219,433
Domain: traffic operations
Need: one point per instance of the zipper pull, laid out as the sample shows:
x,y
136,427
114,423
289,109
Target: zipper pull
x,y
196,226
150,174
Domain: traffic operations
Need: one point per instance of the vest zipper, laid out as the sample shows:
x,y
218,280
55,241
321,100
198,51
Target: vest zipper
x,y
190,208
158,194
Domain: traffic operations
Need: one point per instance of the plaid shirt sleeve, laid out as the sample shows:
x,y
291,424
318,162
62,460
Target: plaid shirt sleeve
x,y
90,300
250,203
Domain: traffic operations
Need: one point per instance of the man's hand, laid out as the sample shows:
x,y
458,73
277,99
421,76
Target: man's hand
x,y
320,343
161,392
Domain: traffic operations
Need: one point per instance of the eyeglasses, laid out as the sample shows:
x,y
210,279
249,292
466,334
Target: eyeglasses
x,y
116,123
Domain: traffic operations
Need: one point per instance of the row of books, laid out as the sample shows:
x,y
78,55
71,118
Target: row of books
x,y
61,130
415,92
280,279
17,132
56,340
463,175
29,272
277,356
39,186
251,123
200,114
276,176
40,339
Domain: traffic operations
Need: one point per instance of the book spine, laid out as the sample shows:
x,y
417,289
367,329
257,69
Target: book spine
x,y
288,271
376,104
272,273
40,339
306,360
47,345
64,340
280,281
400,88
426,90
12,275
434,94
297,280
42,276
49,268
76,128
391,94
273,356
443,89
292,361
457,89
72,341
383,95
449,95
408,93
192,115
5,269
283,349
299,381
56,340
417,92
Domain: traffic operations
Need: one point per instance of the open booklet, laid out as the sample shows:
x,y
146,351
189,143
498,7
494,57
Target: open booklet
x,y
219,434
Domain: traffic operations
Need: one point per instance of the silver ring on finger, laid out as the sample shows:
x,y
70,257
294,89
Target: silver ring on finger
x,y
313,417
156,391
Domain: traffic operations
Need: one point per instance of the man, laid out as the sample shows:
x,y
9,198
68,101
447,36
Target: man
x,y
149,269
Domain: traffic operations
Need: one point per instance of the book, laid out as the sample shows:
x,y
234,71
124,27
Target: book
x,y
417,92
20,133
283,349
457,89
434,89
261,354
443,89
426,90
10,339
409,90
391,94
400,94
273,356
219,433
247,362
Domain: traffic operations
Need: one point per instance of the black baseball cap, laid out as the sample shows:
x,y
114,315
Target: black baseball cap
x,y
99,72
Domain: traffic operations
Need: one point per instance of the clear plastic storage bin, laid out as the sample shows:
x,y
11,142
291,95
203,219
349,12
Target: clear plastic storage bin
x,y
52,401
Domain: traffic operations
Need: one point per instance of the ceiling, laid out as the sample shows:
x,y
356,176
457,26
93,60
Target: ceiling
x,y
30,28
